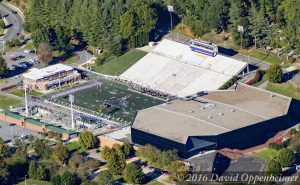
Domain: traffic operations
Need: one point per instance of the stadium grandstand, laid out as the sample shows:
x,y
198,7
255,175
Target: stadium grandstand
x,y
173,68
221,119
50,77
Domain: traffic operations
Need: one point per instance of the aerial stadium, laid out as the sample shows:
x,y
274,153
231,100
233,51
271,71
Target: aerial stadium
x,y
220,119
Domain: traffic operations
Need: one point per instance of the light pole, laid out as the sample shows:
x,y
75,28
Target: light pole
x,y
71,99
11,132
171,9
241,30
26,103
87,58
25,179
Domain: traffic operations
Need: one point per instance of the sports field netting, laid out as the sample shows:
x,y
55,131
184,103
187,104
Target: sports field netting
x,y
112,100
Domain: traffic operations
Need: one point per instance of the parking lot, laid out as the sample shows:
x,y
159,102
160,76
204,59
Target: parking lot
x,y
19,61
8,133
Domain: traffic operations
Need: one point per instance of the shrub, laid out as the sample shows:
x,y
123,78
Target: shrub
x,y
286,157
229,83
274,73
133,174
273,168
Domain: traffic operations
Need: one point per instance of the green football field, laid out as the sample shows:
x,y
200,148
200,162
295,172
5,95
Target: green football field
x,y
114,100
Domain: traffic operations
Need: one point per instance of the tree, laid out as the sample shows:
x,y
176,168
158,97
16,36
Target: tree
x,y
40,36
295,143
68,178
286,157
41,173
156,157
32,172
105,178
21,151
138,20
3,66
4,150
133,174
87,140
105,152
273,168
56,180
259,28
2,24
45,53
41,148
116,163
60,153
4,173
274,73
118,149
127,148
178,168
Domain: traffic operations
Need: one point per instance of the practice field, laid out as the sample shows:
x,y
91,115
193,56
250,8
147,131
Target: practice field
x,y
112,100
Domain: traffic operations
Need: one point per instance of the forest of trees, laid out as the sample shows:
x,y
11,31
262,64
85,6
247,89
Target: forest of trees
x,y
113,24
274,23
102,24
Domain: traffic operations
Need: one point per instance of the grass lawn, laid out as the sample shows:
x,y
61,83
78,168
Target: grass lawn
x,y
286,89
120,64
262,56
264,78
125,102
19,92
183,29
34,182
1,31
30,46
5,102
58,53
73,147
267,154
70,59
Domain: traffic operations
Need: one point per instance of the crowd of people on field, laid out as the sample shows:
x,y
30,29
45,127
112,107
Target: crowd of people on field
x,y
146,90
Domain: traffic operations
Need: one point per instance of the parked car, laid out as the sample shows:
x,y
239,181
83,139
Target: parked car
x,y
33,61
14,12
20,56
27,51
13,58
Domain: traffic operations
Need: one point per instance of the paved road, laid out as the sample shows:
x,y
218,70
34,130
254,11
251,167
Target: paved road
x,y
13,21
83,57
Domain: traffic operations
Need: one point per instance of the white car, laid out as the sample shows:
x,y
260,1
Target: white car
x,y
27,51
33,61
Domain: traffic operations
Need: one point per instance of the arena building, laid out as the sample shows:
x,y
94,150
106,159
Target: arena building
x,y
50,77
175,69
238,119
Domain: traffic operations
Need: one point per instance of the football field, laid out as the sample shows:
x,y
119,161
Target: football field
x,y
112,100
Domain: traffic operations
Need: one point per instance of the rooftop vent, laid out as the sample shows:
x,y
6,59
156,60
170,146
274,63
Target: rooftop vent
x,y
221,114
210,117
232,110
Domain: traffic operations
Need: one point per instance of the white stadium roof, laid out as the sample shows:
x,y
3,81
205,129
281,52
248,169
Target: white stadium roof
x,y
37,74
173,68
